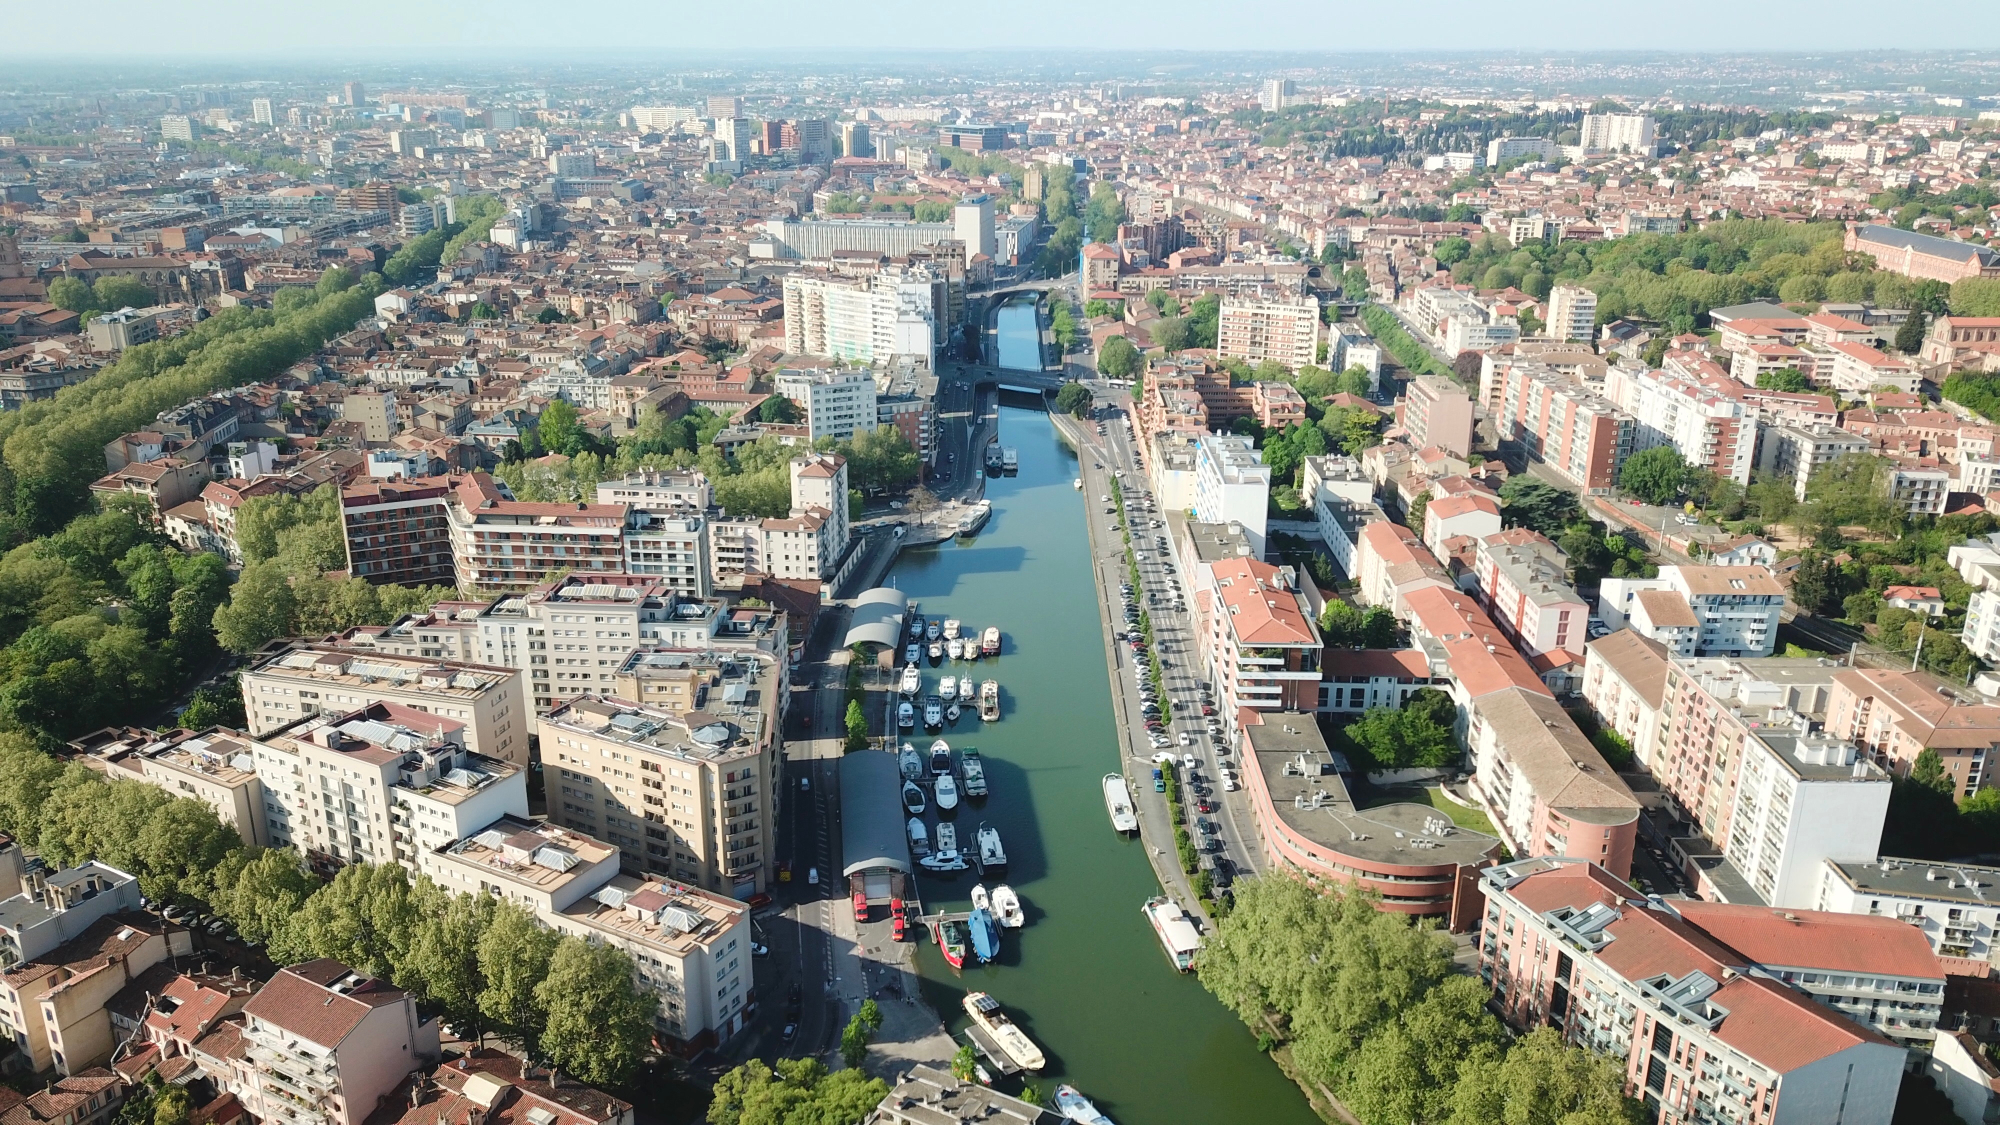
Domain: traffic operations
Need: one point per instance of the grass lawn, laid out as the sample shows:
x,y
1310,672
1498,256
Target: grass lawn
x,y
1421,795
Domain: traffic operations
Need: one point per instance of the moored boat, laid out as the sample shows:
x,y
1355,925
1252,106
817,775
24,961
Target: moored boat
x,y
971,651
933,629
920,837
935,650
1007,907
933,712
955,649
913,679
989,701
913,653
1010,460
940,758
1075,1107
906,715
948,688
945,857
951,628
913,798
1077,484
951,713
985,935
989,641
947,793
985,1011
916,626
952,938
1118,801
975,517
973,768
910,762
1177,934
992,857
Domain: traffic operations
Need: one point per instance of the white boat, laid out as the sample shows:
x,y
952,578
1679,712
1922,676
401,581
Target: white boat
x,y
1177,934
916,626
992,857
980,901
951,628
933,712
935,651
913,653
971,651
913,680
1007,907
940,758
947,839
1012,1041
947,793
913,798
1077,484
989,644
948,688
989,701
1118,801
1075,1107
1010,460
910,762
933,629
951,713
920,839
955,648
946,857
906,715
973,768
975,517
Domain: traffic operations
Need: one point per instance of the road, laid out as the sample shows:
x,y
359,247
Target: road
x,y
1173,628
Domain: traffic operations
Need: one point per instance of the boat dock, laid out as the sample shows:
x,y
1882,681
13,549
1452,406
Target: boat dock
x,y
989,1049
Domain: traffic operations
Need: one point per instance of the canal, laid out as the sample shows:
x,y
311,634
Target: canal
x,y
1087,977
1018,334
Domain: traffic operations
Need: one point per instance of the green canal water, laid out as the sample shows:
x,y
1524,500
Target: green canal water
x,y
1086,977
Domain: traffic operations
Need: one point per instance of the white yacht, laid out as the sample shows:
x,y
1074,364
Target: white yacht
x,y
933,712
933,629
913,680
920,838
906,715
951,628
948,688
992,857
1007,907
947,793
1118,801
955,648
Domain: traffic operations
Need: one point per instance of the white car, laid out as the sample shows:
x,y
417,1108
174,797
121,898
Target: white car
x,y
812,876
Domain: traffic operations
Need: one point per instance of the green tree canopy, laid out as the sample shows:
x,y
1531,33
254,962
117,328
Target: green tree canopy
x,y
1657,475
1118,359
1538,505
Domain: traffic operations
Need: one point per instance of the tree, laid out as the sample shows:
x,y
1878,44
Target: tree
x,y
442,968
1465,367
514,956
74,294
1589,554
1788,379
1407,737
1544,1081
1201,320
558,425
1104,213
854,1042
776,408
1910,335
799,1092
366,918
1409,1070
1656,475
1928,770
1539,505
965,1064
264,892
1341,623
124,292
1075,398
260,609
1817,584
549,315
1118,359
599,1024
1414,518
1172,334
1378,627
857,726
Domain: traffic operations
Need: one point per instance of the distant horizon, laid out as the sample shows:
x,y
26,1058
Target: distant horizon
x,y
241,31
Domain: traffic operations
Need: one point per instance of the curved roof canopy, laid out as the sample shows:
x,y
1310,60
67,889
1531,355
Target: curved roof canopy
x,y
878,618
871,813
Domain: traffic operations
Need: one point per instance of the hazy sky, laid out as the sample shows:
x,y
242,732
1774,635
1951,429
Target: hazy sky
x,y
247,29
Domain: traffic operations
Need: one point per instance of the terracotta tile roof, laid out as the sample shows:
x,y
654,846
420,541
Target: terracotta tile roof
x,y
1262,611
1924,708
1780,1028
1665,607
1395,663
1853,943
299,1000
1639,660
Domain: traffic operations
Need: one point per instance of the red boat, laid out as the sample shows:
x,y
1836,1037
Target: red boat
x,y
896,918
952,939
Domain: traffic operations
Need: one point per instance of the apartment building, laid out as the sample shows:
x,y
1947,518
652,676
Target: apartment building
x,y
1708,709
1694,1024
1802,799
1572,314
383,783
1391,563
566,638
53,1004
1232,485
1520,575
498,543
323,1045
1797,452
1255,326
1919,489
864,320
485,1084
214,767
837,404
1710,430
662,491
1950,903
1437,412
1894,716
398,531
1619,132
1859,370
539,867
1546,787
690,947
1474,515
1625,681
1261,648
689,795
1583,436
1699,610
50,910
303,679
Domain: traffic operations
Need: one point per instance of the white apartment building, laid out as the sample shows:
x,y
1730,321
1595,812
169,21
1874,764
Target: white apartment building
x,y
381,784
672,548
1521,580
1615,132
1232,485
214,767
306,678
862,320
323,1045
1507,148
1858,369
1259,326
1699,610
1798,452
689,947
1572,313
665,491
1709,430
1919,490
972,224
1952,903
566,638
1801,800
836,404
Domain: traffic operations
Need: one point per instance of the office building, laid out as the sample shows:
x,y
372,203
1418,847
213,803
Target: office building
x,y
864,320
1572,314
305,678
733,138
1437,412
1927,257
571,165
837,403
1255,327
854,139
972,224
1701,1030
687,795
1232,485
1501,149
1619,132
662,118
116,331
352,93
323,1045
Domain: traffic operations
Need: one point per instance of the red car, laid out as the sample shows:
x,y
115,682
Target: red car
x,y
1207,710
758,902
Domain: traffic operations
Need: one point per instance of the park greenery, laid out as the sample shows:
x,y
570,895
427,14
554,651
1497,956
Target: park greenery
x,y
1391,335
107,294
1060,216
1418,735
1118,359
1370,1011
797,1092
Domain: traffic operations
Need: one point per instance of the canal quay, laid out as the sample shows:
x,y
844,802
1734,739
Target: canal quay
x,y
1086,977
